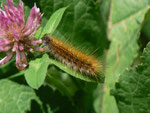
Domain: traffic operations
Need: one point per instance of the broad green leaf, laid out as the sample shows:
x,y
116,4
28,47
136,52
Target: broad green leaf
x,y
53,22
36,73
15,98
132,91
124,24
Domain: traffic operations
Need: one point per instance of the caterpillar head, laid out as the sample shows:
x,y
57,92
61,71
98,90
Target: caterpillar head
x,y
46,39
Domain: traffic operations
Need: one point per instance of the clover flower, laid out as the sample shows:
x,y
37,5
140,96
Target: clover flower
x,y
16,37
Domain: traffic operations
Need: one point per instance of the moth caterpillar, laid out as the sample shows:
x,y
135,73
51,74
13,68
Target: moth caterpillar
x,y
72,57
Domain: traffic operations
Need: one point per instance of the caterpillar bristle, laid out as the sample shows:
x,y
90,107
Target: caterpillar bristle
x,y
73,58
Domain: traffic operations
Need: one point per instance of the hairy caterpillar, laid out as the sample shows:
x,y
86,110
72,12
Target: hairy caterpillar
x,y
72,57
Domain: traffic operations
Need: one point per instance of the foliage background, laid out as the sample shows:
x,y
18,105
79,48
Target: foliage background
x,y
120,29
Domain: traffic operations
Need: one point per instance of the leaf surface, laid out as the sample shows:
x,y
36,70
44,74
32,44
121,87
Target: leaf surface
x,y
133,88
124,23
36,73
53,22
15,98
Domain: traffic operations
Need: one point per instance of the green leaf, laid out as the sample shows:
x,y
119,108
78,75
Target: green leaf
x,y
15,98
35,74
124,23
132,92
53,22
